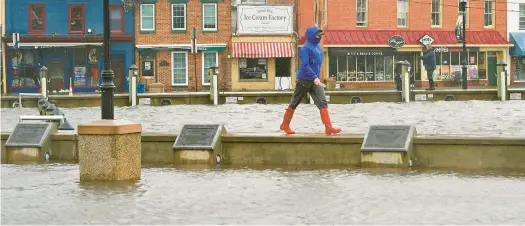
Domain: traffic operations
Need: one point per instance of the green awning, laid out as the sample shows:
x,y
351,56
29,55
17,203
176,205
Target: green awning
x,y
183,47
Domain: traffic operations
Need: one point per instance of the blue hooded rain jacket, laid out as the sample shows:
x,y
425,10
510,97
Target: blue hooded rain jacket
x,y
311,56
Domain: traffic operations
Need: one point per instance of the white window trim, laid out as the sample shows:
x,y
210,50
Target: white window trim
x,y
325,13
141,28
365,22
204,70
173,64
492,13
316,13
440,12
216,23
172,16
407,4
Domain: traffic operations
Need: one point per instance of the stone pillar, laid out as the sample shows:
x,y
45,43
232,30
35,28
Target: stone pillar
x,y
109,150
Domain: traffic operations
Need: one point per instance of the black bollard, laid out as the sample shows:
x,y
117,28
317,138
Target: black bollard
x,y
66,126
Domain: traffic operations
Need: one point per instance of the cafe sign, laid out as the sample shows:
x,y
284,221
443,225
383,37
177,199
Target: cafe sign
x,y
396,41
361,51
264,19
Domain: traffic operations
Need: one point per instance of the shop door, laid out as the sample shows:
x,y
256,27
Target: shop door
x,y
282,67
55,76
491,70
117,65
118,69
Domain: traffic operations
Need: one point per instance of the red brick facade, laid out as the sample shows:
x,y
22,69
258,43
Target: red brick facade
x,y
382,15
163,35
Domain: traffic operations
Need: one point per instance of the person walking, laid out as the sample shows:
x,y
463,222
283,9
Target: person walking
x,y
308,82
429,61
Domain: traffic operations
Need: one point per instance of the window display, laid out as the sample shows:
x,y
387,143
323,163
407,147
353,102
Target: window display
x,y
253,69
355,64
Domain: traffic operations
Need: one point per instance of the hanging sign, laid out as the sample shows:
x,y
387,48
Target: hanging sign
x,y
426,39
396,41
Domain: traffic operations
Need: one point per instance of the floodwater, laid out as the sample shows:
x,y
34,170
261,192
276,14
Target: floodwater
x,y
53,194
484,118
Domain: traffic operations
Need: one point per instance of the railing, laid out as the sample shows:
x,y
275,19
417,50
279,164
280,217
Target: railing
x,y
42,118
25,94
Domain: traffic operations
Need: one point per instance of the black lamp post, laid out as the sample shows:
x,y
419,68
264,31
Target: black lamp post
x,y
107,87
463,8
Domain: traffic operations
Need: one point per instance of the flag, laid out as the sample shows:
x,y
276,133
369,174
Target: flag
x,y
459,28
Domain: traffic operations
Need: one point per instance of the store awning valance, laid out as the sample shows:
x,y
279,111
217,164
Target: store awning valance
x,y
183,47
54,44
518,38
262,49
371,38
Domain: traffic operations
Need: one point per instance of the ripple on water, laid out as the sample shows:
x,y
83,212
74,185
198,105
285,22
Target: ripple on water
x,y
53,194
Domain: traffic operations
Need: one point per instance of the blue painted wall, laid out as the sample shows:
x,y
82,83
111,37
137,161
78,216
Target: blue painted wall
x,y
57,15
57,19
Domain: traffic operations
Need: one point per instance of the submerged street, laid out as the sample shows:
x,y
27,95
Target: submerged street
x,y
483,118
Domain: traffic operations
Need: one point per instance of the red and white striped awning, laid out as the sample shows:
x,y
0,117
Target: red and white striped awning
x,y
262,49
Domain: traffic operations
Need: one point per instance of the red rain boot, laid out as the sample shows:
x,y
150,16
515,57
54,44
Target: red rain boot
x,y
329,130
286,121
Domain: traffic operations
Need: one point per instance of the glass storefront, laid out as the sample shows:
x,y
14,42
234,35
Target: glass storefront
x,y
81,64
448,63
24,69
361,64
519,70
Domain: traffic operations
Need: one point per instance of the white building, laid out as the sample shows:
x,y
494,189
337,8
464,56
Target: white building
x,y
516,35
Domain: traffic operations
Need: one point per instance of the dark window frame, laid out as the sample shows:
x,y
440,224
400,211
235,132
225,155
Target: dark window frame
x,y
121,31
82,19
43,17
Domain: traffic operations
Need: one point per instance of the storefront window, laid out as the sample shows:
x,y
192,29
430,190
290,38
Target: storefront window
x,y
361,64
519,72
250,68
449,64
24,69
482,68
380,68
85,70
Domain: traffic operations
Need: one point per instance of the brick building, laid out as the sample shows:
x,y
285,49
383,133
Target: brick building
x,y
163,40
357,34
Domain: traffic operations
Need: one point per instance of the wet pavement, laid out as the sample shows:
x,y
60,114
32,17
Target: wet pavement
x,y
53,194
486,118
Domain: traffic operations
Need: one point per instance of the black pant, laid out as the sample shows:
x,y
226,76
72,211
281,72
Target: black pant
x,y
430,75
307,86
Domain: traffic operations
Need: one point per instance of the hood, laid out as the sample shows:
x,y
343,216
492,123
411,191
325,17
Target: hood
x,y
310,35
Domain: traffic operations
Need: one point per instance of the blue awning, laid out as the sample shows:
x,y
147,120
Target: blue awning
x,y
518,38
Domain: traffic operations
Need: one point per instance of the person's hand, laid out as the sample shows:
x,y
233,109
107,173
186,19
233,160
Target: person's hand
x,y
317,81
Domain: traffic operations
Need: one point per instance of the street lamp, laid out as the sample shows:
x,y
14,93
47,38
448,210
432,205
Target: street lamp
x,y
107,86
463,9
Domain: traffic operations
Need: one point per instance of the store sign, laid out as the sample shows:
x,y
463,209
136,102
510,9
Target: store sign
x,y
396,41
426,40
264,19
362,51
457,49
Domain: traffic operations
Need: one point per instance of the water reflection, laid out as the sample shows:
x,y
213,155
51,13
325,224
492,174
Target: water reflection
x,y
53,194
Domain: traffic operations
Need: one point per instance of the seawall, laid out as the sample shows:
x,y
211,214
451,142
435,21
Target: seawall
x,y
430,151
